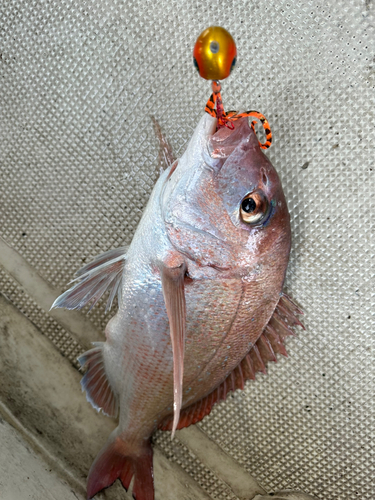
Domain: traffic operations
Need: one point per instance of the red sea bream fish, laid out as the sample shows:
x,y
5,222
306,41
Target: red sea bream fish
x,y
201,307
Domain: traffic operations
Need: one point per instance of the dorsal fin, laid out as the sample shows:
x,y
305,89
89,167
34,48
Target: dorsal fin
x,y
95,382
270,342
166,156
103,274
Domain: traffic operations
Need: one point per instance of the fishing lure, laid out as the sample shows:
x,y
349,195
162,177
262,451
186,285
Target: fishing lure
x,y
215,55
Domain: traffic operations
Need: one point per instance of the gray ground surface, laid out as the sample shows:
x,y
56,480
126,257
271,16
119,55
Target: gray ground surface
x,y
25,475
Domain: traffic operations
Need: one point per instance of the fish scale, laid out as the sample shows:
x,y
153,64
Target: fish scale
x,y
204,344
243,332
197,292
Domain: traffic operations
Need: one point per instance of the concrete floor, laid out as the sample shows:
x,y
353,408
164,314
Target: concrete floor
x,y
25,475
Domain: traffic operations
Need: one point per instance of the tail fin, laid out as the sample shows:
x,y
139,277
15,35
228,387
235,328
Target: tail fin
x,y
115,462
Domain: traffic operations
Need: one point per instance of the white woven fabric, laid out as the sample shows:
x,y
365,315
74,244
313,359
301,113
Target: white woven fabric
x,y
78,160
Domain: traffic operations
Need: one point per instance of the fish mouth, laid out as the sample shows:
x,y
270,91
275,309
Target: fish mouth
x,y
225,140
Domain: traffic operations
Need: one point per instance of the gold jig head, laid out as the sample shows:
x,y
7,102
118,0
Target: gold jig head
x,y
215,53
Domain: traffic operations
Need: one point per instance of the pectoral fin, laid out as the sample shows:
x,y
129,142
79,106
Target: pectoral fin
x,y
174,297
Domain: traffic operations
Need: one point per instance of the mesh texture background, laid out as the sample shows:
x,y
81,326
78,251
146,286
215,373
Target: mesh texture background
x,y
78,160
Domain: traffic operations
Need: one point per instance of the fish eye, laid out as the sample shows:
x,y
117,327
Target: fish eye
x,y
254,208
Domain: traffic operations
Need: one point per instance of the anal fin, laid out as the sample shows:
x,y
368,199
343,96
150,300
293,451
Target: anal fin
x,y
95,382
270,342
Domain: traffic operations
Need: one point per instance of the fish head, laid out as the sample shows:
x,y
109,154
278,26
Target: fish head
x,y
223,205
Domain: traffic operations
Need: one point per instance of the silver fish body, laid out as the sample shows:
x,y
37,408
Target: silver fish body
x,y
230,274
